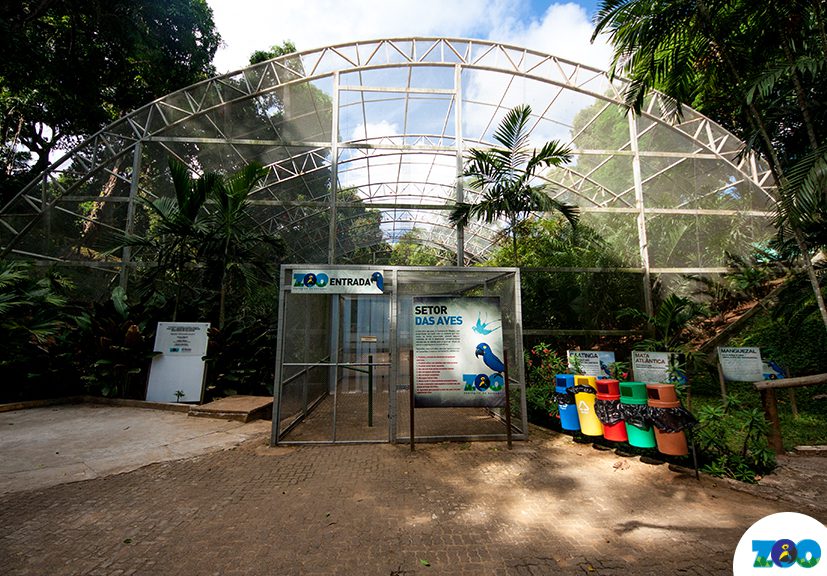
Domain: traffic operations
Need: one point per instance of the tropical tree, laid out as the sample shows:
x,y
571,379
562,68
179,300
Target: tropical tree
x,y
70,68
235,245
177,228
506,178
760,69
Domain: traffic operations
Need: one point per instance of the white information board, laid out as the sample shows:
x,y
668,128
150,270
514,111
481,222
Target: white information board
x,y
458,352
593,362
741,364
177,373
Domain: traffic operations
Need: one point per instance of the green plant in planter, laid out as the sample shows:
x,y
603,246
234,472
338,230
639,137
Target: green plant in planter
x,y
732,441
543,364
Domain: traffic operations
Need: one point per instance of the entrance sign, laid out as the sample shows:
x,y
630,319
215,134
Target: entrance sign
x,y
594,363
458,352
177,372
741,364
336,281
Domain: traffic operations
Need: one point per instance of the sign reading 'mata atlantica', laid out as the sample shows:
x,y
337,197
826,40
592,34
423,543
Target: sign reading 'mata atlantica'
x,y
458,352
333,281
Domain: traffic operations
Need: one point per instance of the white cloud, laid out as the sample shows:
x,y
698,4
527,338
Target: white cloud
x,y
249,25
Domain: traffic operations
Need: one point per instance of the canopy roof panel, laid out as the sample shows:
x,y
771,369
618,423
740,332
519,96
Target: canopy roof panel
x,y
373,133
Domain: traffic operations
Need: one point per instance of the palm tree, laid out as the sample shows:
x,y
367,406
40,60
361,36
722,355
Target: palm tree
x,y
233,237
178,229
505,177
761,69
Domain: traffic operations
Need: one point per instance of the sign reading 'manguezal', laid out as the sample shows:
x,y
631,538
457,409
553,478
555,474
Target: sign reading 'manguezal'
x,y
333,281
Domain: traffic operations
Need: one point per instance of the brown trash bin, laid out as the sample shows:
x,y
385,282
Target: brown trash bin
x,y
665,396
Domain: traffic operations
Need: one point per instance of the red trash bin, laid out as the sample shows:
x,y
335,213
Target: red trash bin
x,y
608,395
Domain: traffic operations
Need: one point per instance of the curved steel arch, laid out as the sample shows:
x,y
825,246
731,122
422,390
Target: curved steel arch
x,y
164,122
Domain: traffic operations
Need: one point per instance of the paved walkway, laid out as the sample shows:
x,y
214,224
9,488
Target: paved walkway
x,y
547,507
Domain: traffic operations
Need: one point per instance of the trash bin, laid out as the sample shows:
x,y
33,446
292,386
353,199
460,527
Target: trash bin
x,y
635,409
607,408
566,406
584,396
669,419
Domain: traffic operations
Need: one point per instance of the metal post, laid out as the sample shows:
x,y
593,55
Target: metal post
x,y
370,390
411,398
641,216
126,254
507,402
334,169
460,192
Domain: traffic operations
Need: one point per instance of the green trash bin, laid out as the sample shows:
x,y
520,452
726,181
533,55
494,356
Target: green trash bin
x,y
634,407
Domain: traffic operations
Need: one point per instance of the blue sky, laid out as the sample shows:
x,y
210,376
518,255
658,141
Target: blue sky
x,y
560,28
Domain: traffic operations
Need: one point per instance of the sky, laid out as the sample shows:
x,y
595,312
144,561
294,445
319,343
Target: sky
x,y
561,29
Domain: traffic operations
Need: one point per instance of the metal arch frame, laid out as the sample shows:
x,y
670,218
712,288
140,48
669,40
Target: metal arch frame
x,y
154,120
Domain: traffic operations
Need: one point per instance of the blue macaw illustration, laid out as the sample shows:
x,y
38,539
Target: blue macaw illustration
x,y
377,279
779,371
489,358
482,327
605,369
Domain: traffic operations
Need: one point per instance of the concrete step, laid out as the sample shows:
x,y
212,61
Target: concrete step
x,y
237,408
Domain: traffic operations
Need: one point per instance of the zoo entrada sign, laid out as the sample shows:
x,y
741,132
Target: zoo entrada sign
x,y
332,281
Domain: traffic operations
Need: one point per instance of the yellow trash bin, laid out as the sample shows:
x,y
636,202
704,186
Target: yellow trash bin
x,y
584,396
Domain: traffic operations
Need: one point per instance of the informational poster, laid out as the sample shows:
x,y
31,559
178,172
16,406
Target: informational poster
x,y
177,372
650,367
593,362
458,352
321,280
741,364
653,368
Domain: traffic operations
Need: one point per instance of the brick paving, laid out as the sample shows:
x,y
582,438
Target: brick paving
x,y
548,507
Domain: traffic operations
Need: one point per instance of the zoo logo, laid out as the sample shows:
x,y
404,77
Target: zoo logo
x,y
784,542
785,553
483,382
309,280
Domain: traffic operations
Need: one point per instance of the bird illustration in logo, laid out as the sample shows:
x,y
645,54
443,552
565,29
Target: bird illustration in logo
x,y
489,358
482,327
784,553
482,382
378,280
310,279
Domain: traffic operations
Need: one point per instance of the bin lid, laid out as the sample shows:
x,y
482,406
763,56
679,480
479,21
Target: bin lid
x,y
581,380
633,393
662,392
608,387
563,381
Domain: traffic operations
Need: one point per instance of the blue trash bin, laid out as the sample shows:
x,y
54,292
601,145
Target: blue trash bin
x,y
569,420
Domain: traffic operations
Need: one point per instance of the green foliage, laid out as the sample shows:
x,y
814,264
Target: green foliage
x,y
732,441
36,321
542,365
580,300
286,47
114,345
760,70
69,68
667,323
410,250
